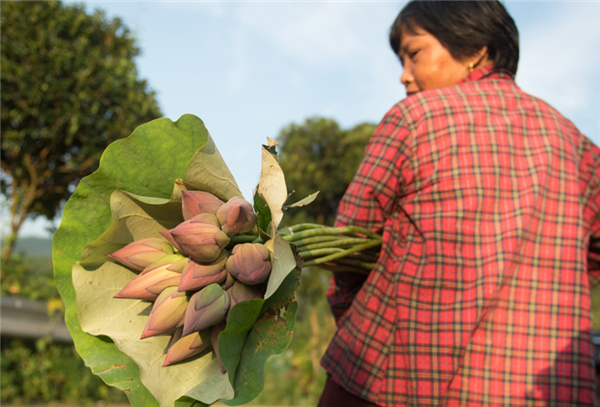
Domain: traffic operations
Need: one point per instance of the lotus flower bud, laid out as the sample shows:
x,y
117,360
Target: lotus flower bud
x,y
207,307
228,282
197,275
185,347
200,237
141,253
167,235
173,263
196,202
167,313
241,292
214,340
236,216
154,279
249,263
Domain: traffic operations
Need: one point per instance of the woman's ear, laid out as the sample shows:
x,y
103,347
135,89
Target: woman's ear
x,y
481,58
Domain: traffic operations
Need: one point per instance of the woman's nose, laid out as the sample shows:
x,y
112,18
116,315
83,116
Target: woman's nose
x,y
406,77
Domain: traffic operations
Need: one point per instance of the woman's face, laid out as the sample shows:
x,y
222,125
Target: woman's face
x,y
427,64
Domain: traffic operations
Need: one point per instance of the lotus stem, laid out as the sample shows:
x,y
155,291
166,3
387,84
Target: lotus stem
x,y
310,240
337,269
353,230
338,254
336,243
319,252
304,226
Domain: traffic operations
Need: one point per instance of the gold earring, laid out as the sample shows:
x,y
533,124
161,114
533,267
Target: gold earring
x,y
471,67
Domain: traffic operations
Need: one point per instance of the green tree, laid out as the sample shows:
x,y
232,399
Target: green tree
x,y
69,88
319,156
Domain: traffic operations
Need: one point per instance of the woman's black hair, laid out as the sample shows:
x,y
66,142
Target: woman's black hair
x,y
463,28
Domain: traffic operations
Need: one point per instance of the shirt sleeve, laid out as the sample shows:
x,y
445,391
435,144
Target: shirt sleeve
x,y
370,199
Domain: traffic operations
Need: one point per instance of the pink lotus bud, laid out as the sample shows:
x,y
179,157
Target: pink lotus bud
x,y
174,263
200,237
228,282
185,347
197,275
241,292
214,340
167,235
141,253
236,216
154,279
249,263
207,307
197,202
167,313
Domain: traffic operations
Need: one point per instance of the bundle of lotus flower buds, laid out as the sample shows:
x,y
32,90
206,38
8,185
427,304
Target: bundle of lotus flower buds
x,y
192,276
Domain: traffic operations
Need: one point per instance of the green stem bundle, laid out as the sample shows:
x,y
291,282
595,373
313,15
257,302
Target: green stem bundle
x,y
348,248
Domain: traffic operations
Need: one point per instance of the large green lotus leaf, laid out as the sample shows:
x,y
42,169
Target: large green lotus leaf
x,y
123,320
146,163
208,172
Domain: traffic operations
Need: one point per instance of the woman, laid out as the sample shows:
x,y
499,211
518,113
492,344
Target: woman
x,y
489,204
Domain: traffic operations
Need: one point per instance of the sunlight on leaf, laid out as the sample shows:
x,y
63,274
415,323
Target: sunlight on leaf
x,y
303,202
283,263
208,172
272,187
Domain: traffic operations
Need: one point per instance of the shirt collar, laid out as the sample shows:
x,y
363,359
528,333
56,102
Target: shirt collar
x,y
488,72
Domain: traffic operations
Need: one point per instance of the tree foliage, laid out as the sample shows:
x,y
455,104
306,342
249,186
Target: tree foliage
x,y
43,371
318,155
70,87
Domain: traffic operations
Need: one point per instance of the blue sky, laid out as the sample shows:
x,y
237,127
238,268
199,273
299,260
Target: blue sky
x,y
250,68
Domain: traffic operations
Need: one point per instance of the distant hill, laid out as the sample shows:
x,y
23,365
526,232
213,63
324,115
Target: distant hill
x,y
34,246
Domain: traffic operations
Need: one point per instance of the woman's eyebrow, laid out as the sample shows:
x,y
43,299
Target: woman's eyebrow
x,y
404,48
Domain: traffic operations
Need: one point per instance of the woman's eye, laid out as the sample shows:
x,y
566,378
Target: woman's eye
x,y
413,53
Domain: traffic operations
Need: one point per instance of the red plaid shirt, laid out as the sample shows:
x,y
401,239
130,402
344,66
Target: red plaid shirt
x,y
489,204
